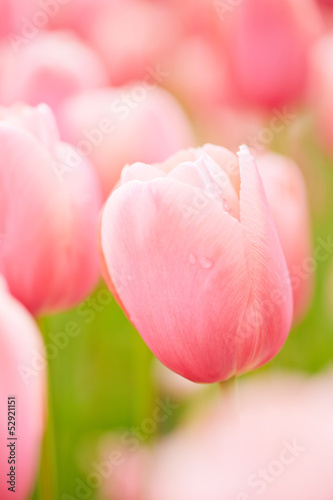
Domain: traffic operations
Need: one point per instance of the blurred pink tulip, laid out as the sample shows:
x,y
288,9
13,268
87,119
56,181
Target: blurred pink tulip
x,y
234,125
5,17
48,213
198,17
196,262
326,10
119,126
320,89
286,194
127,468
76,15
281,449
134,36
268,44
20,342
202,89
79,15
52,67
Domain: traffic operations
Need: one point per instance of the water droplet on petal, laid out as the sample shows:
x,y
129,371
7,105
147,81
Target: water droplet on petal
x,y
206,263
192,259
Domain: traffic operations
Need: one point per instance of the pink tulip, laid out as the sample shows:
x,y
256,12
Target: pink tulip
x,y
52,67
326,10
235,124
196,262
282,449
320,89
125,470
133,37
197,18
48,213
286,194
5,17
268,43
79,15
32,16
20,343
114,127
202,89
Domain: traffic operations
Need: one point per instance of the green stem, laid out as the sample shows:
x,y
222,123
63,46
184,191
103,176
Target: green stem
x,y
47,485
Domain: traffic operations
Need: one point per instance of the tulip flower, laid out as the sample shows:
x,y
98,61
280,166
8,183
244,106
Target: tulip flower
x,y
52,66
282,449
48,213
286,194
33,16
133,37
191,252
20,343
237,125
199,17
202,89
78,15
128,473
113,127
320,89
5,17
268,45
326,10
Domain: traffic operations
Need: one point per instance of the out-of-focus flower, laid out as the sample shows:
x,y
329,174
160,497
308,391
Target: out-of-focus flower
x,y
286,195
326,10
76,15
126,465
48,213
119,126
320,89
20,344
198,18
51,68
199,75
196,263
233,125
282,448
133,37
5,17
268,44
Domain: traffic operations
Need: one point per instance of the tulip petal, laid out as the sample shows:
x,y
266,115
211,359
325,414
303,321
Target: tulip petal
x,y
227,161
268,315
140,171
286,194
